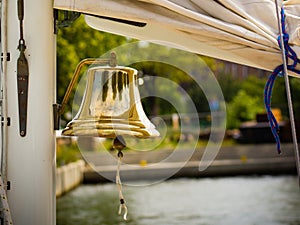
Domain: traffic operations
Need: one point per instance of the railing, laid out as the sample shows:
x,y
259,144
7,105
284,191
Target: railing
x,y
69,177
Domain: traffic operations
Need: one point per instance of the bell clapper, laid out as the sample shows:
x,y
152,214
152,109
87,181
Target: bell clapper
x,y
119,144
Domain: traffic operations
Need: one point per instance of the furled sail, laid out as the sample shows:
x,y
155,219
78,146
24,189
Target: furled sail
x,y
240,31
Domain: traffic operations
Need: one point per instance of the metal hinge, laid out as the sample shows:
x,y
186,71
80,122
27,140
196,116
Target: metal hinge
x,y
8,185
64,18
7,56
7,121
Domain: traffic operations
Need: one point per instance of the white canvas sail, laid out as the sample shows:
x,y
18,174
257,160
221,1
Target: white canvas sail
x,y
240,31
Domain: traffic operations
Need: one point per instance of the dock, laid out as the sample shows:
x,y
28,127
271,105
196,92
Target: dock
x,y
252,159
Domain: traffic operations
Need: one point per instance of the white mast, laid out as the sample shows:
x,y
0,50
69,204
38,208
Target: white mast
x,y
31,159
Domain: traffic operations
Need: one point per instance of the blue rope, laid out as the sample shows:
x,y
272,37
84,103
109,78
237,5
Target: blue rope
x,y
278,71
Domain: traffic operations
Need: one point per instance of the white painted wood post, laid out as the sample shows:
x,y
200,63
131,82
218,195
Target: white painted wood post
x,y
31,159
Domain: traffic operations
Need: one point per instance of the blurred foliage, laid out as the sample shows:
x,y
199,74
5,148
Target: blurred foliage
x,y
279,96
67,153
244,97
242,108
254,86
295,89
153,105
229,85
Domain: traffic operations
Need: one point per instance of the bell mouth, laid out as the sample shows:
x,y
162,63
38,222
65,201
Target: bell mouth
x,y
110,128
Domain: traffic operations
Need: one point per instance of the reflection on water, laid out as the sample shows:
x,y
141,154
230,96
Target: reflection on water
x,y
210,201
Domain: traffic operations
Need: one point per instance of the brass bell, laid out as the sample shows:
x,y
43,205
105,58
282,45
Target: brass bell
x,y
111,106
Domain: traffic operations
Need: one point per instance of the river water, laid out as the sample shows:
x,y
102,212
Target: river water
x,y
254,200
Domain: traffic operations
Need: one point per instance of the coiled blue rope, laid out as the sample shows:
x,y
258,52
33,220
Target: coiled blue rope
x,y
278,71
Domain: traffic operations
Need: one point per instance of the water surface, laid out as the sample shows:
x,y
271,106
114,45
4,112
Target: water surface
x,y
253,200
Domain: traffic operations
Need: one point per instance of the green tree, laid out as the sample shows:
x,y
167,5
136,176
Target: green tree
x,y
153,87
242,108
229,85
295,89
279,99
254,86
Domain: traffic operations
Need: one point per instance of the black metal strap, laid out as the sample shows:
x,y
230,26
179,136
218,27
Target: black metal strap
x,y
22,75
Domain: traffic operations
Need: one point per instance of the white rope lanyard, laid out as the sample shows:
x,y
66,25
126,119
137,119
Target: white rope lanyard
x,y
119,144
119,185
